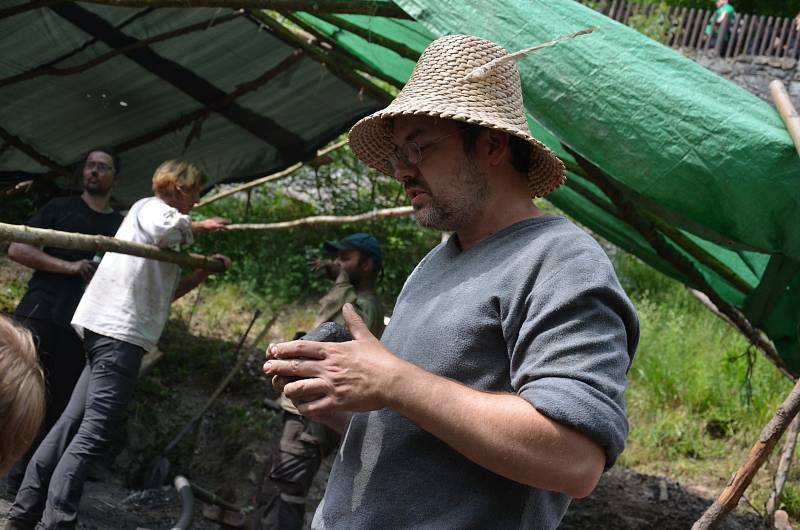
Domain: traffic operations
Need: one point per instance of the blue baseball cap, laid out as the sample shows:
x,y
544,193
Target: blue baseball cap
x,y
362,242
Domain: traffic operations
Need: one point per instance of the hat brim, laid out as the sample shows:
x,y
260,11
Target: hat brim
x,y
371,141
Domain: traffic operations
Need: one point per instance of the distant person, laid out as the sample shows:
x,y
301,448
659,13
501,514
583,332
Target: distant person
x,y
22,400
304,443
723,13
120,316
58,281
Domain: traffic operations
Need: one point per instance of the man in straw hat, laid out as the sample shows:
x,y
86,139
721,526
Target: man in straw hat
x,y
496,392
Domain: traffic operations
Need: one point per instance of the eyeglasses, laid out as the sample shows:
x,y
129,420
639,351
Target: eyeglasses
x,y
99,166
410,153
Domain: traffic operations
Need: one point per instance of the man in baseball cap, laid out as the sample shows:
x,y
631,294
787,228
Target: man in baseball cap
x,y
354,270
495,395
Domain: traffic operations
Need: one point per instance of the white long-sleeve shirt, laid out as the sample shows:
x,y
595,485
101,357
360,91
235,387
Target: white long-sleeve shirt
x,y
129,297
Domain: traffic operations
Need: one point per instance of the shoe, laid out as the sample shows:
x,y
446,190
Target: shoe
x,y
18,524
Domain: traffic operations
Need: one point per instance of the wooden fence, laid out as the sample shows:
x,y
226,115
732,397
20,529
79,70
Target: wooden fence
x,y
681,27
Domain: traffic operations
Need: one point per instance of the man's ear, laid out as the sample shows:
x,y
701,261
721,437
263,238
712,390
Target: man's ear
x,y
498,142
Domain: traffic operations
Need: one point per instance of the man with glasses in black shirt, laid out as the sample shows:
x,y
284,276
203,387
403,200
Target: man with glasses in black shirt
x,y
57,284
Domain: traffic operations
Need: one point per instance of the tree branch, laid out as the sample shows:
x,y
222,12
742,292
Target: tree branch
x,y
400,211
41,237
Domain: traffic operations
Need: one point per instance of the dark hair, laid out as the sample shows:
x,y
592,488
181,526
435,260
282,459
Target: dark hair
x,y
110,151
520,149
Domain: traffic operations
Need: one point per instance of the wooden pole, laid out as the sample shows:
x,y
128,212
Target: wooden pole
x,y
787,455
41,237
759,453
269,178
82,67
398,47
376,8
400,211
629,213
787,111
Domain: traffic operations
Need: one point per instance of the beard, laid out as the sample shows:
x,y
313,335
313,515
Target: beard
x,y
96,190
467,200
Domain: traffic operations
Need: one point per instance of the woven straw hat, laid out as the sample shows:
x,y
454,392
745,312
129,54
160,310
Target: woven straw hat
x,y
448,82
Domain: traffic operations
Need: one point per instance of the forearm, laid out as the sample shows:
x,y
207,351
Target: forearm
x,y
35,258
501,432
189,282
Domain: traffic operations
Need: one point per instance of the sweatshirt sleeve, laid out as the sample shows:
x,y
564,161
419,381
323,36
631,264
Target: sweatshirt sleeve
x,y
165,225
573,351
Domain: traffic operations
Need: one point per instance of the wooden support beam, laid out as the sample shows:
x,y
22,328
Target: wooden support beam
x,y
375,8
75,69
787,111
290,145
269,178
759,453
352,78
214,106
785,462
344,57
370,36
22,8
400,211
33,153
41,237
676,236
649,231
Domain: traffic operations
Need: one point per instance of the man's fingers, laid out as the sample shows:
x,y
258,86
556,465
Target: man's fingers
x,y
297,348
354,323
279,382
305,390
291,368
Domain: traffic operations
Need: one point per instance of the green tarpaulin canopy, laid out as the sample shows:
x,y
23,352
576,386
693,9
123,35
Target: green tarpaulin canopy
x,y
707,164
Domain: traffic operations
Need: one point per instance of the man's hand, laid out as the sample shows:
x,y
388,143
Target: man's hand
x,y
198,276
334,376
325,267
210,225
85,268
224,259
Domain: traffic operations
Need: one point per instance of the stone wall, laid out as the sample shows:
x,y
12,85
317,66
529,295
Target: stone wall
x,y
754,73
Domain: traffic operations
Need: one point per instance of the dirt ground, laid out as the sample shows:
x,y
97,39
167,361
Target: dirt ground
x,y
624,500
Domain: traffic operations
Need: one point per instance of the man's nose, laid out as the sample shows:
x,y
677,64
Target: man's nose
x,y
404,172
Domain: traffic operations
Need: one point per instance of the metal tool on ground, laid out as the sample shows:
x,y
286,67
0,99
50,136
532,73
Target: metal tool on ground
x,y
158,470
184,490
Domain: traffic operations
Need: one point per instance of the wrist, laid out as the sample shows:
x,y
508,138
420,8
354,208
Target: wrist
x,y
404,380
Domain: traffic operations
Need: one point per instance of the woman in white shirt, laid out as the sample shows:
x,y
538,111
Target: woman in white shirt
x,y
121,316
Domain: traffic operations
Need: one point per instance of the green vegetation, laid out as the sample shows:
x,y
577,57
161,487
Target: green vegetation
x,y
273,265
698,396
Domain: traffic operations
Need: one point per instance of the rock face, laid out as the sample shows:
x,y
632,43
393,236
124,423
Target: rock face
x,y
753,73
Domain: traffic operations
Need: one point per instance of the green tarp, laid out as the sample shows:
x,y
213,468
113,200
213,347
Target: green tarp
x,y
696,151
709,161
173,97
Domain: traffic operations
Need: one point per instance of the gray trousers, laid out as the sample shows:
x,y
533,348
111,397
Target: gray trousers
x,y
51,490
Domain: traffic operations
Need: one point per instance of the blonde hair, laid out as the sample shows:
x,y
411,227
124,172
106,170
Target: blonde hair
x,y
176,175
22,398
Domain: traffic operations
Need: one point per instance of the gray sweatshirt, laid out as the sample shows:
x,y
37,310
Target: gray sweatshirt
x,y
535,310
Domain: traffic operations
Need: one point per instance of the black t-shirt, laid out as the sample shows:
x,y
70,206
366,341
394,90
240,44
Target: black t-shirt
x,y
54,296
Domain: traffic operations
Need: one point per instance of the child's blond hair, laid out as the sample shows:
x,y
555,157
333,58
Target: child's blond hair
x,y
22,399
176,175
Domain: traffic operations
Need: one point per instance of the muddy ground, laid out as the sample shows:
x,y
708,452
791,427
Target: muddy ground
x,y
624,500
